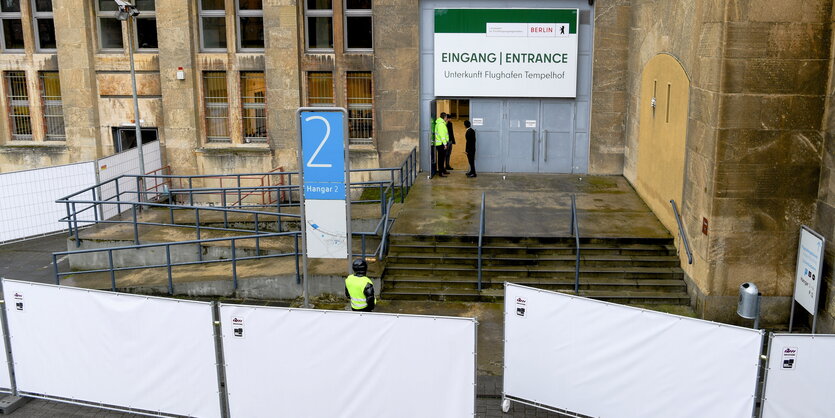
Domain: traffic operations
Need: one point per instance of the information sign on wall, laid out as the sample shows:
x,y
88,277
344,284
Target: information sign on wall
x,y
808,272
506,52
323,173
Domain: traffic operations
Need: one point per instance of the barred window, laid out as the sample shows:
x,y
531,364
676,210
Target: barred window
x,y
358,25
12,25
320,88
44,25
250,24
253,98
212,25
53,111
216,106
360,108
319,20
19,116
110,28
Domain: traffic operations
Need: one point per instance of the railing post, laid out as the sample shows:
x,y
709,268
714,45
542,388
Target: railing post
x,y
225,213
171,212
118,198
112,272
298,276
257,238
240,199
278,208
197,222
55,268
575,230
135,225
138,189
681,232
69,219
95,206
362,244
75,226
234,267
382,199
481,231
168,265
402,191
190,192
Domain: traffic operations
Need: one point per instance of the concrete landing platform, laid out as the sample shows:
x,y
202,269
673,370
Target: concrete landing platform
x,y
527,205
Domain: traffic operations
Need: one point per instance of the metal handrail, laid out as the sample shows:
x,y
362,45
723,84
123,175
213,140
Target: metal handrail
x,y
168,264
575,231
407,175
481,229
681,233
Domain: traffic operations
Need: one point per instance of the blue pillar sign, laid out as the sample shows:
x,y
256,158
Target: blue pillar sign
x,y
323,168
323,155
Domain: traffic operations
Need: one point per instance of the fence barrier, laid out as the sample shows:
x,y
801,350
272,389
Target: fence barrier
x,y
580,356
171,357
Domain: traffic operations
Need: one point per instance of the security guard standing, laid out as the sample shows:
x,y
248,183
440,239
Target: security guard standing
x,y
441,141
360,289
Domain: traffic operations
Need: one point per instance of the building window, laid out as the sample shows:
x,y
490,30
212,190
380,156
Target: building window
x,y
250,24
21,121
110,28
358,29
12,25
320,88
360,108
319,17
216,106
212,25
145,25
253,103
44,25
53,111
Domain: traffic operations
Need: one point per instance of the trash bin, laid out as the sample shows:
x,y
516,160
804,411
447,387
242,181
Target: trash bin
x,y
748,301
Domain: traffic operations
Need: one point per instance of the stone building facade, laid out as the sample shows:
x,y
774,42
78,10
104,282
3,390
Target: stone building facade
x,y
724,106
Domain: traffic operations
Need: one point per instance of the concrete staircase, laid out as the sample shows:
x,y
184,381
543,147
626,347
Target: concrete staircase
x,y
622,270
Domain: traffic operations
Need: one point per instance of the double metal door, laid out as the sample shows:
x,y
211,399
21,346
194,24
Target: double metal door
x,y
524,136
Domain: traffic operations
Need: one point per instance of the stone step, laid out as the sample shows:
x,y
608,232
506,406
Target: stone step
x,y
524,241
534,259
496,295
609,284
446,270
401,249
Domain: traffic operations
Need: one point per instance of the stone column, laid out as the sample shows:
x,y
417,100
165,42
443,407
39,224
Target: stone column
x,y
76,44
396,79
281,36
177,44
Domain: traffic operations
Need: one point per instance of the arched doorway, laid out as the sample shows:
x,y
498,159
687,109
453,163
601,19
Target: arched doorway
x,y
665,92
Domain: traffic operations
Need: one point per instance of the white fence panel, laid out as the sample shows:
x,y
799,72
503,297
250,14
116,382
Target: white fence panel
x,y
27,206
607,360
126,162
307,363
5,378
118,350
801,375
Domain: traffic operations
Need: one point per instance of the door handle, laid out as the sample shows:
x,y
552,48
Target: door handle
x,y
533,145
545,132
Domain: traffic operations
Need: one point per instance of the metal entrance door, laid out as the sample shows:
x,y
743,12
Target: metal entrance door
x,y
521,146
487,118
556,137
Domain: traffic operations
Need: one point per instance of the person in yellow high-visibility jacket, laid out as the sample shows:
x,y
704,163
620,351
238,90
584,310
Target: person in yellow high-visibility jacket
x,y
359,288
441,143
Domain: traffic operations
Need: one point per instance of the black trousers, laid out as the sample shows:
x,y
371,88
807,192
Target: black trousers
x,y
441,160
471,159
448,153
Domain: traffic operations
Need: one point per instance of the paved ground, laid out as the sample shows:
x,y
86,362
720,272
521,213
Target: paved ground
x,y
526,205
32,259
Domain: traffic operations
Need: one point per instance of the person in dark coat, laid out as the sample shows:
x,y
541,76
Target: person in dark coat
x,y
469,148
451,143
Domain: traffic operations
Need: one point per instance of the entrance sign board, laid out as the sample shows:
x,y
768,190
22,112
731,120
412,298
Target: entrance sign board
x,y
506,52
323,166
808,273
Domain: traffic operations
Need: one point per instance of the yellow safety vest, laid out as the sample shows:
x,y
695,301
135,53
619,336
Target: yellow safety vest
x,y
356,286
441,132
